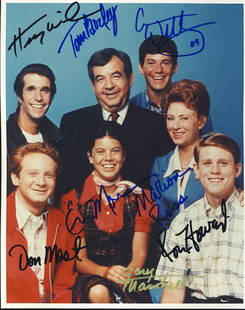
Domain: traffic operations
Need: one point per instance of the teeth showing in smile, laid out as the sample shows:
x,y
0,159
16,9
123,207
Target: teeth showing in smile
x,y
178,134
158,77
108,166
215,180
37,106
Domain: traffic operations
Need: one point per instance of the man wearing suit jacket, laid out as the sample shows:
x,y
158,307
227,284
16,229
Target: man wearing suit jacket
x,y
146,137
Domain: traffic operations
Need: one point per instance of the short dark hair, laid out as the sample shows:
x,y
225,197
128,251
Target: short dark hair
x,y
218,140
40,69
102,57
157,44
105,129
193,93
29,148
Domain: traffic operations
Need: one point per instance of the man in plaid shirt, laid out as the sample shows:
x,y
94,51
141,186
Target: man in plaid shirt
x,y
203,248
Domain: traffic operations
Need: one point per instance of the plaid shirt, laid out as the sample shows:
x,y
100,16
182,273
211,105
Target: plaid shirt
x,y
217,268
35,231
109,234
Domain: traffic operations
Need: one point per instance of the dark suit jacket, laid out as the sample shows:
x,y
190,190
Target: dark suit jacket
x,y
144,132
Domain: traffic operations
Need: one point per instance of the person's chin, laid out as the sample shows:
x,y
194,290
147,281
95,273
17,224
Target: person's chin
x,y
40,197
110,177
216,191
158,87
38,117
178,141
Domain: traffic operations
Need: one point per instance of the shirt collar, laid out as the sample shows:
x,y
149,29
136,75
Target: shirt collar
x,y
23,215
151,105
174,163
230,205
122,114
88,191
146,96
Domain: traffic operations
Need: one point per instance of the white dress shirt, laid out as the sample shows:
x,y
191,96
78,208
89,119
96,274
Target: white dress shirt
x,y
175,165
122,114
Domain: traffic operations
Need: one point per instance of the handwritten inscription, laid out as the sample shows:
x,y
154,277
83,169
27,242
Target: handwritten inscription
x,y
141,280
192,237
172,27
90,23
51,254
160,186
91,26
74,221
24,37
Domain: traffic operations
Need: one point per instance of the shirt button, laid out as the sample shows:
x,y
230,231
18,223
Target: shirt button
x,y
107,212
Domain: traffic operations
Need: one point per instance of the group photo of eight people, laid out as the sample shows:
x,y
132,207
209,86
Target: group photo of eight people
x,y
131,200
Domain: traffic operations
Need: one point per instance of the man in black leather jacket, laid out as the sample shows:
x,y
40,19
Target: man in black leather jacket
x,y
35,88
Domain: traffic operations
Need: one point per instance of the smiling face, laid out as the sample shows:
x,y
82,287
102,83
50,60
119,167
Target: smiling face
x,y
217,172
107,157
36,181
183,124
111,85
36,96
158,70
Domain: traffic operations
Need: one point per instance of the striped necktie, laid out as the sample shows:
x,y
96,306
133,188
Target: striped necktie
x,y
114,116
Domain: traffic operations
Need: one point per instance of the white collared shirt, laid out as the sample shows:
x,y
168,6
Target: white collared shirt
x,y
175,165
35,230
122,114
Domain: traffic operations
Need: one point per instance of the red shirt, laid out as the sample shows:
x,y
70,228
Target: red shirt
x,y
108,220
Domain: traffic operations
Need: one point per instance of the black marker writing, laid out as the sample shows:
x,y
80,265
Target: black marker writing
x,y
23,38
51,254
192,238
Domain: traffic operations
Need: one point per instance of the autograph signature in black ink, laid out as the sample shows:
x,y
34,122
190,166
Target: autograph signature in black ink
x,y
74,221
172,27
70,15
51,253
192,237
91,26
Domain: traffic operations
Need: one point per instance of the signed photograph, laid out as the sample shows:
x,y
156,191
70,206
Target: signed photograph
x,y
122,154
